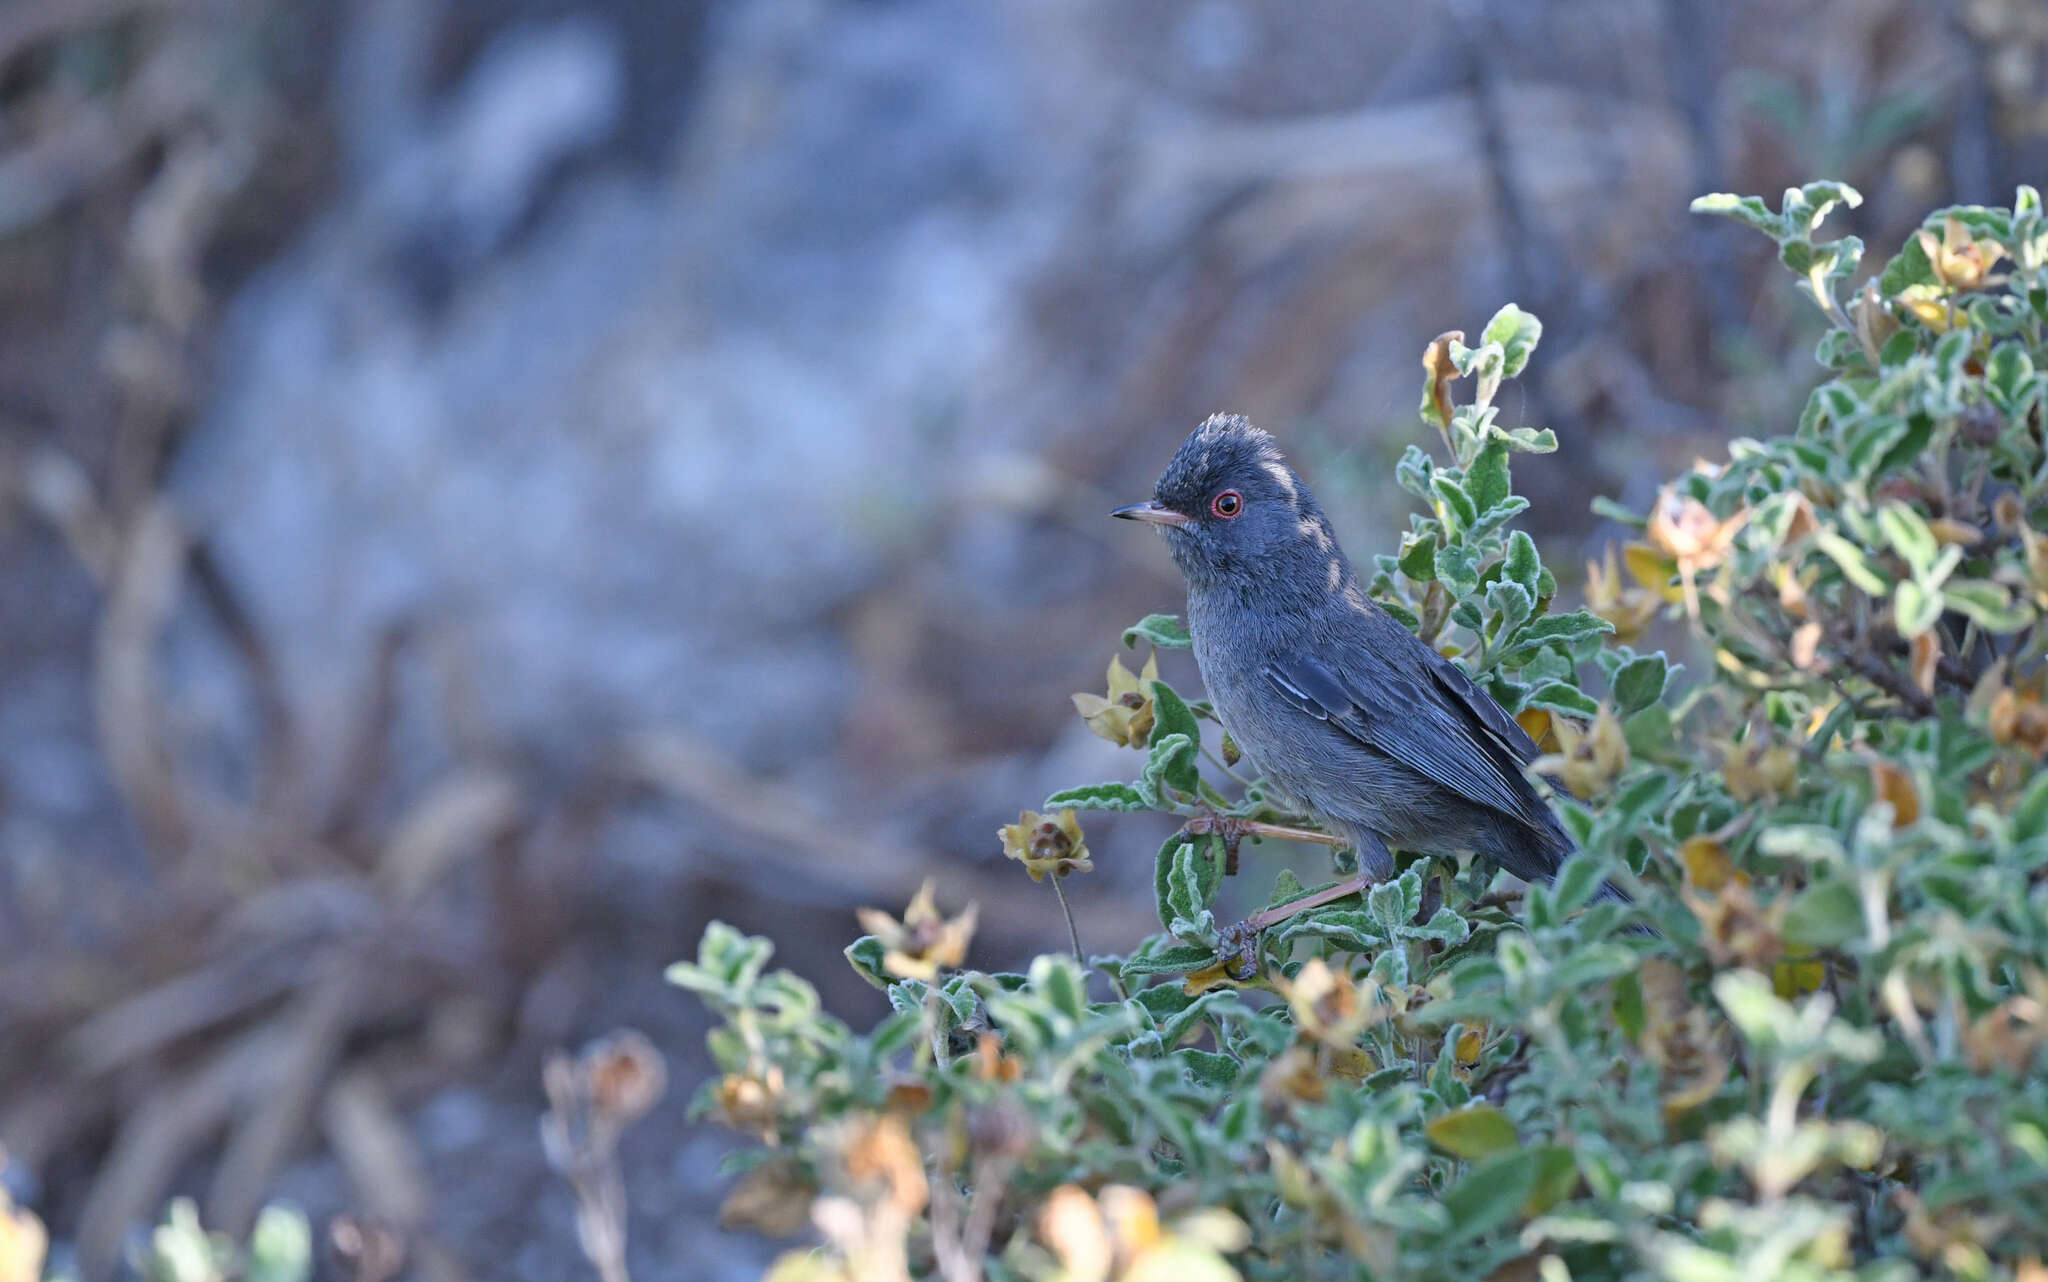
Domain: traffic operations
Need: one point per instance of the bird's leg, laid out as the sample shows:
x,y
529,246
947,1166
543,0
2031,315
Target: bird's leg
x,y
1238,947
1234,829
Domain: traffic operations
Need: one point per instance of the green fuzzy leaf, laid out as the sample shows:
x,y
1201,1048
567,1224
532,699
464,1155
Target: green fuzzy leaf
x,y
1640,682
1162,630
1191,884
1753,1008
1491,1195
906,996
1171,764
1988,605
1164,1001
2030,817
1457,508
1592,964
1915,607
1418,558
1562,696
2007,372
1576,884
1511,603
1528,440
1172,716
1826,914
1444,926
1492,518
1488,478
1414,471
1855,566
1909,267
1409,619
1563,629
1162,876
1206,1068
894,1034
1870,441
1909,536
1352,930
1649,732
1517,332
1393,904
1175,959
1750,211
280,1247
1097,796
1458,567
727,966
1608,509
1286,888
1522,564
1630,1015
1473,1133
1806,206
1057,978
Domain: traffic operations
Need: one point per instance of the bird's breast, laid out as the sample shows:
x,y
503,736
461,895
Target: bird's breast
x,y
1294,751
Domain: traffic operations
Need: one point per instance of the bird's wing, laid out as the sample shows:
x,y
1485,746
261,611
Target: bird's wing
x,y
1504,729
1432,720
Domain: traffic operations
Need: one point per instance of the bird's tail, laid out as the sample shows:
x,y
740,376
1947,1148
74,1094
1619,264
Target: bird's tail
x,y
1543,852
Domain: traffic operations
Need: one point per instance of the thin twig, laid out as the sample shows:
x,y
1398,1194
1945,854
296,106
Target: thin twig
x,y
1073,934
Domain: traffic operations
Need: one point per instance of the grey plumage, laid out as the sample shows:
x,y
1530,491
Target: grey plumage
x,y
1336,702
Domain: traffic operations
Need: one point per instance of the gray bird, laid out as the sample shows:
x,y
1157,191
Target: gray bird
x,y
1336,702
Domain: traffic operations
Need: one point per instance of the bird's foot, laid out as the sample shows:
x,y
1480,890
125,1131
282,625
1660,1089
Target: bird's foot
x,y
1238,946
1235,828
1238,949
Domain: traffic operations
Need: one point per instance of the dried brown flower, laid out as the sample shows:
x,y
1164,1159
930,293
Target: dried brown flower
x,y
924,942
1609,594
1587,760
1125,715
1047,845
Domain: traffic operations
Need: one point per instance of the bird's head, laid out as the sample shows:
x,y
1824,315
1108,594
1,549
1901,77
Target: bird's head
x,y
1235,514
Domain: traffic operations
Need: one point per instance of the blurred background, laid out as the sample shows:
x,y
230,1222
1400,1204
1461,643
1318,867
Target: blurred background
x,y
487,486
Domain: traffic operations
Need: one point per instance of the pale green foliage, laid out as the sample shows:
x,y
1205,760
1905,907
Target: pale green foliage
x,y
280,1249
1822,1061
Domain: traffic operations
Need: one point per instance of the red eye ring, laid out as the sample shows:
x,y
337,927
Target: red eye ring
x,y
1227,505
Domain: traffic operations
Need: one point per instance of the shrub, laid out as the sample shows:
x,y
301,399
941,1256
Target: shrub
x,y
1821,1059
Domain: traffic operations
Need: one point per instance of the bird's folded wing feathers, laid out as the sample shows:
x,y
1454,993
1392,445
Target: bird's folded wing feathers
x,y
1437,723
1504,728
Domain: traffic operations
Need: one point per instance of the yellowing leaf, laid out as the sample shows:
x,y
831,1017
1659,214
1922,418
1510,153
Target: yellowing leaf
x,y
1791,979
1707,866
1214,975
773,1199
1950,530
1653,570
1473,1133
1535,723
1439,370
1889,783
1470,1043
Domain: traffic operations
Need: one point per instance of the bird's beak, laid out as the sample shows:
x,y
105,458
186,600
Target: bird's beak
x,y
1152,513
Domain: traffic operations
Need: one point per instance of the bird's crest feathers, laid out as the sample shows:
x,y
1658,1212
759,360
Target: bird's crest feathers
x,y
1226,449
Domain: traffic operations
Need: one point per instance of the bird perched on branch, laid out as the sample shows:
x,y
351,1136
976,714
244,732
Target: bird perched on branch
x,y
1339,705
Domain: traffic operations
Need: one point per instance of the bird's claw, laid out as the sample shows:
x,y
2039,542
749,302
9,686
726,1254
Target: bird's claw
x,y
1238,949
1230,828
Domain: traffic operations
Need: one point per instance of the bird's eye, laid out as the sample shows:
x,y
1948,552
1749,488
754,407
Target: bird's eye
x,y
1227,504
